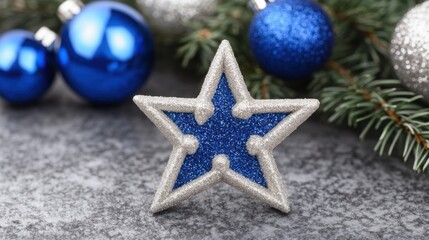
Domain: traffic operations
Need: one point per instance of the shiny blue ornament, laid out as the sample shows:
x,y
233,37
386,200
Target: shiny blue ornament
x,y
27,68
291,39
106,52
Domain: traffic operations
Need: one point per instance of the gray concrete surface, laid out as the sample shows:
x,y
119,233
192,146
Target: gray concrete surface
x,y
73,171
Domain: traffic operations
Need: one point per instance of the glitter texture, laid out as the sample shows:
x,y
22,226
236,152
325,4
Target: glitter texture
x,y
223,135
291,39
170,16
410,49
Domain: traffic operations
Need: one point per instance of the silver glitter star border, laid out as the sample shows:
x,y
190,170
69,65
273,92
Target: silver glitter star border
x,y
224,62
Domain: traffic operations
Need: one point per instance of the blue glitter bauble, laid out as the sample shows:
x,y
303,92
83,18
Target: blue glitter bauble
x,y
291,39
223,134
106,52
27,68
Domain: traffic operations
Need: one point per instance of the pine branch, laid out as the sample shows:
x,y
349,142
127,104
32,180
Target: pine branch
x,y
379,106
30,14
349,90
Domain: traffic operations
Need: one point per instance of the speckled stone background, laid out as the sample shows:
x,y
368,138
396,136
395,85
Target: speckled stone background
x,y
73,171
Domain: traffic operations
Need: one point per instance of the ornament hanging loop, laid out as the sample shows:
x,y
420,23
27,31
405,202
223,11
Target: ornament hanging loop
x,y
68,9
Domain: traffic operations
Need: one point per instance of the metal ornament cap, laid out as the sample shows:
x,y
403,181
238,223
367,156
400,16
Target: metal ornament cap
x,y
258,5
68,9
224,66
46,37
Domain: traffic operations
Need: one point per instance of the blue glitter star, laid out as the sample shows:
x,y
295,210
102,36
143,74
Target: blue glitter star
x,y
223,134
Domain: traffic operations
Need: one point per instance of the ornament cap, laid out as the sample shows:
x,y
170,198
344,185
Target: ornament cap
x,y
46,36
68,9
257,5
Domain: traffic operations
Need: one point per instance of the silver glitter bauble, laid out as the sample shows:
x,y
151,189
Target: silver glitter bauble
x,y
169,16
410,49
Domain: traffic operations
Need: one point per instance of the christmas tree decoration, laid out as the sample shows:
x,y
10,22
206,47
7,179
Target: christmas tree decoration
x,y
291,39
409,49
169,17
27,65
224,135
106,51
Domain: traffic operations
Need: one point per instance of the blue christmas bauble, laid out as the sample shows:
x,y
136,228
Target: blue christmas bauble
x,y
106,52
27,68
291,39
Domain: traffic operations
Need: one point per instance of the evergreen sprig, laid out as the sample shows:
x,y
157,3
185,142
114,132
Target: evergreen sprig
x,y
381,105
358,85
28,14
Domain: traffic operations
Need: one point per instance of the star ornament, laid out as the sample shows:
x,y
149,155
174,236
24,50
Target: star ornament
x,y
224,135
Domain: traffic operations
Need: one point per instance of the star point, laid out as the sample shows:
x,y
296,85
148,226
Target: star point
x,y
223,135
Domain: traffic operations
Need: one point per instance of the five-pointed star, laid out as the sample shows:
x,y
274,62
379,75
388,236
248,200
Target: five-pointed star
x,y
223,135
